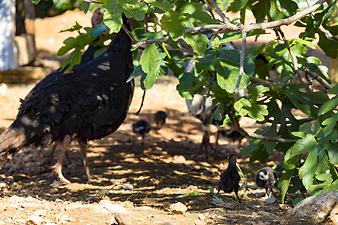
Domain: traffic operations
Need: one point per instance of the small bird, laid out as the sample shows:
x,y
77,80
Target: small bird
x,y
234,136
266,178
229,180
160,118
141,127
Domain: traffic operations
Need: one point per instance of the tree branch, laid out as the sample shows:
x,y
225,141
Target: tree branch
x,y
241,62
255,26
319,79
260,81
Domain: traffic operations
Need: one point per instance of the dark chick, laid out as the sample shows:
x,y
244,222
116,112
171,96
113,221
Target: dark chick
x,y
234,136
229,180
141,127
266,178
160,118
86,103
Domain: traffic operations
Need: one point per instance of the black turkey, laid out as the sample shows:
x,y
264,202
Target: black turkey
x,y
266,178
89,102
141,127
229,180
160,118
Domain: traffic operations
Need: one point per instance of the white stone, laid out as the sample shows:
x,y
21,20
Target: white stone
x,y
178,208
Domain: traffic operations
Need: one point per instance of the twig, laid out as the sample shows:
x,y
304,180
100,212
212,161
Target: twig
x,y
128,33
260,81
218,11
327,33
255,26
286,21
293,57
143,96
241,62
319,79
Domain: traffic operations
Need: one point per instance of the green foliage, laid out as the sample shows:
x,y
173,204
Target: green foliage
x,y
298,118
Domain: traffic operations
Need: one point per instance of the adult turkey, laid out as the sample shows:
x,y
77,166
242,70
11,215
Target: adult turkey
x,y
89,102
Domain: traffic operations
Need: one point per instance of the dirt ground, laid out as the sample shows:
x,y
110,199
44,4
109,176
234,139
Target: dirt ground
x,y
134,182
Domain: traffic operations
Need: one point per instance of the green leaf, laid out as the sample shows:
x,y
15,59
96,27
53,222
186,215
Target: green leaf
x,y
236,5
285,178
330,47
308,169
334,90
185,87
333,153
260,10
198,42
150,62
229,83
330,124
188,16
136,72
63,4
242,106
328,106
112,16
171,22
232,56
36,1
301,146
134,9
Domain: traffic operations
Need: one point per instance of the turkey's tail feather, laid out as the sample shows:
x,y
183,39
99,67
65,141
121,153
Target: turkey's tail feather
x,y
12,139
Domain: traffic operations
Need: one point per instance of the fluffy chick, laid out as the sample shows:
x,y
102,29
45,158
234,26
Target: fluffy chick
x,y
266,178
141,127
160,118
229,180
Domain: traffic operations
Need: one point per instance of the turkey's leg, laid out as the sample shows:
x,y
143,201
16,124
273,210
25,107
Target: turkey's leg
x,y
62,147
83,148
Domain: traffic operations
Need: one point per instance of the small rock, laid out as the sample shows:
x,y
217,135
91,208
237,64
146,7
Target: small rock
x,y
334,215
112,221
270,200
128,204
114,208
56,183
201,216
316,208
179,159
178,208
127,186
122,219
3,185
35,220
65,219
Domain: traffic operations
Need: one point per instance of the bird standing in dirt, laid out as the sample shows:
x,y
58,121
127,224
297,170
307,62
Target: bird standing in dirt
x,y
230,178
266,178
89,102
160,118
141,127
234,136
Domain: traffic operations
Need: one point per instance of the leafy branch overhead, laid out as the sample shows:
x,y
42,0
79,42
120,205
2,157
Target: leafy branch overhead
x,y
278,84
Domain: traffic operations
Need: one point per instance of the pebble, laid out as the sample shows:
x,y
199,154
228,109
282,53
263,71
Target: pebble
x,y
127,186
35,220
178,208
3,185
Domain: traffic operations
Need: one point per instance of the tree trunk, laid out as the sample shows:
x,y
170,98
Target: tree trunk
x,y
8,50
